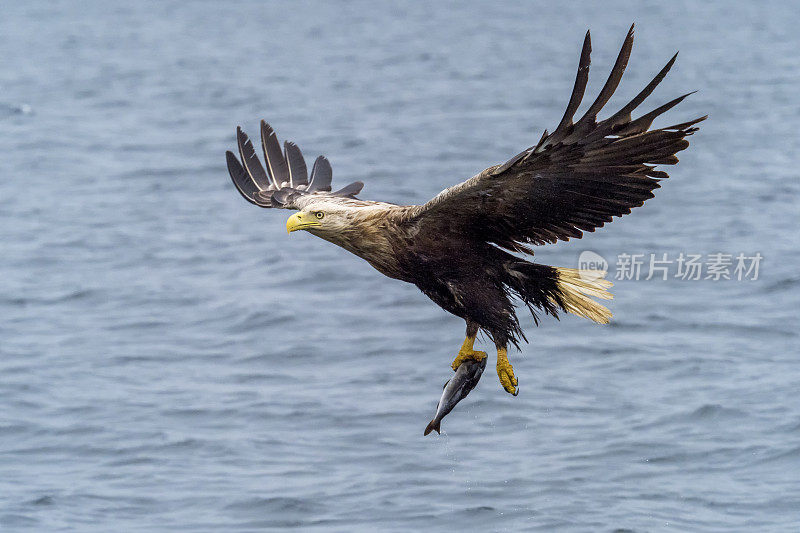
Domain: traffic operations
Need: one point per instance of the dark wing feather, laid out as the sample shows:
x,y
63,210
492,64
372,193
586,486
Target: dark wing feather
x,y
298,173
243,183
276,165
579,89
285,180
351,190
611,83
250,160
321,175
575,179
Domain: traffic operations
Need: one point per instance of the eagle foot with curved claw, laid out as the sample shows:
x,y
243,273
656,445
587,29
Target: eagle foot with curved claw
x,y
506,373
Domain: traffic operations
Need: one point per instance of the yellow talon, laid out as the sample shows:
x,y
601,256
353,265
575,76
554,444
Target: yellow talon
x,y
466,352
463,356
506,373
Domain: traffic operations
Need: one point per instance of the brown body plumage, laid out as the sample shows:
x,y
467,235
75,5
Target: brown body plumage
x,y
457,248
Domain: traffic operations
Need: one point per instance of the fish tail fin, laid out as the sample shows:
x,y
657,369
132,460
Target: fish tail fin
x,y
578,287
434,425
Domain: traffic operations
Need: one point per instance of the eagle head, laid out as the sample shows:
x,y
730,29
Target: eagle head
x,y
360,227
326,218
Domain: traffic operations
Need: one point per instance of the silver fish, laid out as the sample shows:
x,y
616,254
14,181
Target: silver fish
x,y
456,389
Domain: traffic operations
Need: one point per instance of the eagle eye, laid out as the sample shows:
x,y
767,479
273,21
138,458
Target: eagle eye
x,y
319,215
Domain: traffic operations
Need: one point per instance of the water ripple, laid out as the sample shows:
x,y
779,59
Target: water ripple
x,y
171,360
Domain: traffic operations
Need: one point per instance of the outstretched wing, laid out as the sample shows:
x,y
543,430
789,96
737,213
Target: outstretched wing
x,y
285,180
575,179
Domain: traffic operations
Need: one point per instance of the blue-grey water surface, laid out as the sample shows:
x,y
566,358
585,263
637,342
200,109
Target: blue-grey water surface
x,y
170,360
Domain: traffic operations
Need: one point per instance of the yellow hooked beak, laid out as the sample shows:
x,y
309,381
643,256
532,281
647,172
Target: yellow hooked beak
x,y
301,221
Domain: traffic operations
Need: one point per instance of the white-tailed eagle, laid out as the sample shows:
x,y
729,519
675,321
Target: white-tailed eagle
x,y
457,248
